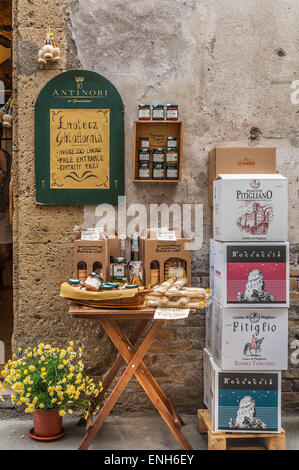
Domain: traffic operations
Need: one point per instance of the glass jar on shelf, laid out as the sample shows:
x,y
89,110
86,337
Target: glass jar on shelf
x,y
158,112
171,155
144,172
172,172
158,171
144,142
158,155
172,112
172,141
143,155
144,112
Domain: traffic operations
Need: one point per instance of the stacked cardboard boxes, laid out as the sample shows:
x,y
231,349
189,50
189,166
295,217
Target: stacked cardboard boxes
x,y
247,323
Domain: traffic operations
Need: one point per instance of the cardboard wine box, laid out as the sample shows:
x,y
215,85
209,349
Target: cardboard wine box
x,y
212,256
251,274
153,249
246,160
91,251
249,338
241,401
250,208
208,373
209,327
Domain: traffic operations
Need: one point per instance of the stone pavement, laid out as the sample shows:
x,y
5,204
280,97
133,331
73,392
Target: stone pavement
x,y
121,433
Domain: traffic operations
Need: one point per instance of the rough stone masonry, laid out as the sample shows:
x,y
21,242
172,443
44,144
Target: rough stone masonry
x,y
229,65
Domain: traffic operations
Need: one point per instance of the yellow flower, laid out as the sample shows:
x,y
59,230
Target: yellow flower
x,y
60,366
41,405
71,343
70,411
31,368
48,346
29,354
41,345
43,375
43,358
43,369
69,350
61,412
54,400
25,372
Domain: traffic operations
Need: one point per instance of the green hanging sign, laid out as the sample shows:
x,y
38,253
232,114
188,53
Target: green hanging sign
x,y
79,140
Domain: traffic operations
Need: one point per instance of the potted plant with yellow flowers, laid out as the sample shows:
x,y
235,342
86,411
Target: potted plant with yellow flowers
x,y
50,382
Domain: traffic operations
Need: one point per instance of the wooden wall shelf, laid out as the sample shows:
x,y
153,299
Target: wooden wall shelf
x,y
157,132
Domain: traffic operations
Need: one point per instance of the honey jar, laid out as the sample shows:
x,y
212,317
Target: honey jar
x,y
144,112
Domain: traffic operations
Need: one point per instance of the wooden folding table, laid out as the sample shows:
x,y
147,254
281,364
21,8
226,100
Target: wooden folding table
x,y
131,354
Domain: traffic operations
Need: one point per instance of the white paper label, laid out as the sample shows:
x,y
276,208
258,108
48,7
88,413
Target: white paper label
x,y
158,113
144,113
158,173
168,235
172,113
144,173
172,157
171,173
171,313
90,235
158,157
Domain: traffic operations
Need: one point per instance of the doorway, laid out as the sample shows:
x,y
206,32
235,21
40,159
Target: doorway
x,y
6,284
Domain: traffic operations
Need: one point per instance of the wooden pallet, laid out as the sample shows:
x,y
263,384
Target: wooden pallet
x,y
219,440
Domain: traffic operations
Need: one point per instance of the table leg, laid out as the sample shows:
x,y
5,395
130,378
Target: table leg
x,y
147,381
120,386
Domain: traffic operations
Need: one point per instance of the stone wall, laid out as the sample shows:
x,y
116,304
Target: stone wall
x,y
229,66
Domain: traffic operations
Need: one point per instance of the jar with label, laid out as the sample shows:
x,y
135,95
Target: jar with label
x,y
144,171
172,112
158,155
93,282
143,155
144,112
172,171
172,154
144,142
119,269
158,112
158,171
172,141
136,273
76,283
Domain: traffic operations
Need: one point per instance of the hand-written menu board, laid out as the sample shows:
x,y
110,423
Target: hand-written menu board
x,y
79,140
79,148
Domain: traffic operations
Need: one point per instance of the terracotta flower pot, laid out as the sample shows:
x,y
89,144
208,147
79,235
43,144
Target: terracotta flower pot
x,y
47,423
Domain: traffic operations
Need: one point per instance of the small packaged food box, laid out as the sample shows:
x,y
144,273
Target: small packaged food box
x,y
250,208
248,338
167,254
251,274
91,253
242,401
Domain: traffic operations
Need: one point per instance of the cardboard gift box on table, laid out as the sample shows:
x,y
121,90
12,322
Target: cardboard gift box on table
x,y
91,252
251,274
155,247
250,208
248,338
242,401
236,160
